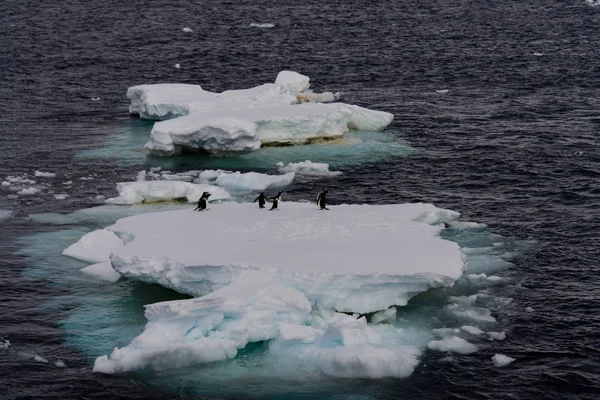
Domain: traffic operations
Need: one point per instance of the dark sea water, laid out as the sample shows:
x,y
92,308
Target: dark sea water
x,y
513,143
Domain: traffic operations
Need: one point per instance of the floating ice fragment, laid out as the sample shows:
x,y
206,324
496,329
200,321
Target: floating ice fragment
x,y
529,309
442,91
307,168
496,335
177,66
60,364
61,196
473,330
537,54
156,191
95,98
40,359
29,191
67,183
187,30
45,174
452,344
5,345
253,181
501,360
265,25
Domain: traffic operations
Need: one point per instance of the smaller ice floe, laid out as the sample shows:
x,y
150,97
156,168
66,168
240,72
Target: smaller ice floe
x,y
482,300
103,271
442,91
157,191
60,364
253,180
529,309
538,54
187,30
177,66
95,98
61,196
67,183
452,344
94,247
464,225
484,280
473,330
43,174
264,25
496,335
307,168
469,314
29,191
4,345
40,359
500,360
5,214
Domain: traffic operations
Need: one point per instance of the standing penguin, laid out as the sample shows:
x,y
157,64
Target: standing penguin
x,y
322,199
262,199
203,201
276,200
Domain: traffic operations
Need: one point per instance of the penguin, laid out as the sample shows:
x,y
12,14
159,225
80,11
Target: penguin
x,y
321,199
262,199
203,201
276,200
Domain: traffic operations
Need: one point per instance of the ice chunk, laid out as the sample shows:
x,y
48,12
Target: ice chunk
x,y
45,174
452,344
94,247
4,344
253,181
187,30
307,168
266,25
500,360
496,335
386,315
103,271
293,81
40,359
351,258
529,309
60,364
471,314
473,330
310,97
164,101
210,328
153,191
61,196
216,136
29,191
363,119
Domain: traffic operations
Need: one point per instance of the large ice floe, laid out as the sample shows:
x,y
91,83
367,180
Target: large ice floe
x,y
240,121
285,277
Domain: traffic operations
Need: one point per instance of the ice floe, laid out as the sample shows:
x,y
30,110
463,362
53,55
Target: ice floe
x,y
95,246
307,168
156,191
452,344
265,25
500,360
240,121
45,174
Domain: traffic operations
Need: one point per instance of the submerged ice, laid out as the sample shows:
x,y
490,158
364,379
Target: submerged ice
x,y
240,121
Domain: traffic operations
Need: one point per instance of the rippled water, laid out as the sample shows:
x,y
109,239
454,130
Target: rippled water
x,y
513,143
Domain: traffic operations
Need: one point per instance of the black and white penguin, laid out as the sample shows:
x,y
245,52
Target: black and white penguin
x,y
276,200
262,199
203,202
322,199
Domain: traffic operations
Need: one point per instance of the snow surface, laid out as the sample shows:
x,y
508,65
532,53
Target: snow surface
x,y
155,191
239,121
103,271
307,168
95,246
500,360
352,258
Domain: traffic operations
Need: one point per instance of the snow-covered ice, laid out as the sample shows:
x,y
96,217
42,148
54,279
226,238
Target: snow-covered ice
x,y
352,258
103,271
253,180
500,360
496,335
307,168
473,330
240,121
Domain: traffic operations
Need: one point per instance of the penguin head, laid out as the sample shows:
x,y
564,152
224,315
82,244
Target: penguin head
x,y
326,190
208,195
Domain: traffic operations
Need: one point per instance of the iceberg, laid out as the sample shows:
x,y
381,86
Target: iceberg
x,y
240,121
